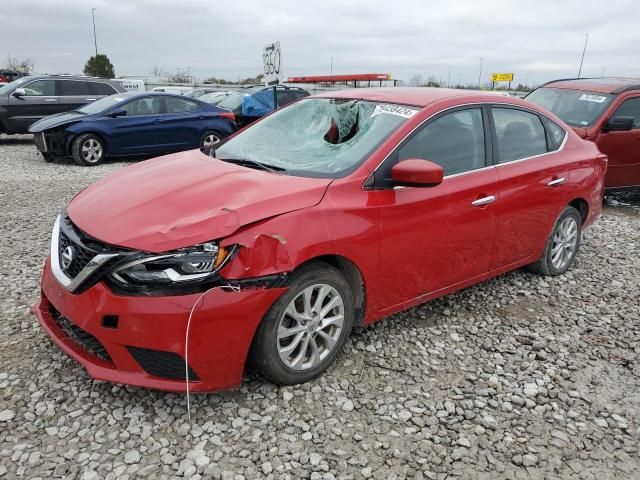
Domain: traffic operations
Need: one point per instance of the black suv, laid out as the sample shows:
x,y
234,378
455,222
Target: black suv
x,y
28,99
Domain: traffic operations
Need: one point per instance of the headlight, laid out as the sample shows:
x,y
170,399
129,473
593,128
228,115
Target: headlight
x,y
181,266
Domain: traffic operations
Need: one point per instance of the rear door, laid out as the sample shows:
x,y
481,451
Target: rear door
x,y
533,182
73,94
40,101
623,148
184,122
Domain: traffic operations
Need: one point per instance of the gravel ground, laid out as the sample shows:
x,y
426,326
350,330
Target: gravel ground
x,y
520,377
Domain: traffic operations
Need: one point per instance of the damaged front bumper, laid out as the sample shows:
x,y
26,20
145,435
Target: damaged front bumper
x,y
141,340
53,143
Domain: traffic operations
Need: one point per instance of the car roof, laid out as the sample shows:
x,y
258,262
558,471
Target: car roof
x,y
68,77
611,85
416,96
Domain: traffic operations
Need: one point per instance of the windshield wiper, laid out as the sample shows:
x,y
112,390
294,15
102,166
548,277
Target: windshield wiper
x,y
254,164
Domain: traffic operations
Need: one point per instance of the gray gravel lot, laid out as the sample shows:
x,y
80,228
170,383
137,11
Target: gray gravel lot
x,y
520,377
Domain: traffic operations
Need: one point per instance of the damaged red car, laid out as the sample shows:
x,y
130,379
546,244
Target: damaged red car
x,y
331,213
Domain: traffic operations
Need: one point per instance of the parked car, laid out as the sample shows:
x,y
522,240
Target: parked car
x,y
249,104
331,213
131,124
175,90
28,99
198,92
214,98
605,111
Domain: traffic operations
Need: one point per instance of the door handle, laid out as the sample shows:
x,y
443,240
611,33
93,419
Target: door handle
x,y
484,201
556,181
158,120
50,100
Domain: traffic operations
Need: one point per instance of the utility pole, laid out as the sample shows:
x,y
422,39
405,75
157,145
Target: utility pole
x,y
602,73
480,75
449,79
331,70
584,50
95,41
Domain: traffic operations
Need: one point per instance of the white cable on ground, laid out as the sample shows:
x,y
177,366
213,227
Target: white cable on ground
x,y
186,341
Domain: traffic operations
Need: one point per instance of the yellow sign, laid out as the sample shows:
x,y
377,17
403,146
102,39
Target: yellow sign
x,y
502,77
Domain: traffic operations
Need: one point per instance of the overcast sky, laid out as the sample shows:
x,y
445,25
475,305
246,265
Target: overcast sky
x,y
538,40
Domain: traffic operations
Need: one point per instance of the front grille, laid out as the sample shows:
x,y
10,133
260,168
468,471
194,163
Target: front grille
x,y
88,342
162,364
81,255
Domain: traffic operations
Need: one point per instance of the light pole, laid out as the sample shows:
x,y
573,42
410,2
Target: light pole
x,y
331,70
449,79
480,75
584,50
93,18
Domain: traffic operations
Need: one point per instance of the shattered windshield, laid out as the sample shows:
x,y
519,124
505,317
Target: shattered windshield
x,y
317,137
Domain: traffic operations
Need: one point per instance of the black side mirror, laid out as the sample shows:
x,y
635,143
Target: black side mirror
x,y
619,124
117,113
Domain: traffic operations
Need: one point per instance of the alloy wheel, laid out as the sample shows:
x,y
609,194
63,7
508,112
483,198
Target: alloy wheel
x,y
210,140
564,243
310,327
91,151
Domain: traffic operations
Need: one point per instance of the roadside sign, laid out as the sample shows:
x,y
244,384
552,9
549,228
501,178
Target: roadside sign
x,y
502,77
272,63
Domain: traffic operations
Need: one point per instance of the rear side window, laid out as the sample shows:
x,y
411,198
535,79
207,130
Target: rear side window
x,y
519,134
40,88
69,88
100,88
630,108
556,134
454,141
181,105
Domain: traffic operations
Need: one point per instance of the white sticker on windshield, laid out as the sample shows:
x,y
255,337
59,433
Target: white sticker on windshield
x,y
399,110
588,97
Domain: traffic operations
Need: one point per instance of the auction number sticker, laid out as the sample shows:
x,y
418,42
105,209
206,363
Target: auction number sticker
x,y
588,97
398,110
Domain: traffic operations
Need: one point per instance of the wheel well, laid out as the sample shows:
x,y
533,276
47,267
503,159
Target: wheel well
x,y
582,206
353,276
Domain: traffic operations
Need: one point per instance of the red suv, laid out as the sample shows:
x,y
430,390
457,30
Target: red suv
x,y
605,111
333,212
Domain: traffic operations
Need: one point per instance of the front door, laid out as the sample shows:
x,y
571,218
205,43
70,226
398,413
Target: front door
x,y
40,101
140,130
437,237
623,148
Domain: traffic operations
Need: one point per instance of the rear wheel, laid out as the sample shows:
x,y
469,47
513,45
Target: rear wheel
x,y
305,329
88,150
209,140
562,245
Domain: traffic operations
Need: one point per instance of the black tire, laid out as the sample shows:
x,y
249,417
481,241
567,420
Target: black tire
x,y
545,265
264,356
204,144
48,157
79,152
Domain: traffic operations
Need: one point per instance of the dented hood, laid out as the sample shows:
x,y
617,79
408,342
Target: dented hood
x,y
185,199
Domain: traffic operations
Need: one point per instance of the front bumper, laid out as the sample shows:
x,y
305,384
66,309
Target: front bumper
x,y
122,339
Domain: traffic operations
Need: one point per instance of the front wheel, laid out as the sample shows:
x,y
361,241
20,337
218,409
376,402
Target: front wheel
x,y
305,329
88,150
562,245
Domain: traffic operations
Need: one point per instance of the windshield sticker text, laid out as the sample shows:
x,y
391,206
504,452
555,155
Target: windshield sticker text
x,y
587,97
398,110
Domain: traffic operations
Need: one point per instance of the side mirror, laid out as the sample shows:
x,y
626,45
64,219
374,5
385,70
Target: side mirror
x,y
117,113
619,124
417,173
19,92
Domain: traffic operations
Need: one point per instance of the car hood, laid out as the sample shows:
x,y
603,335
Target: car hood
x,y
55,121
184,199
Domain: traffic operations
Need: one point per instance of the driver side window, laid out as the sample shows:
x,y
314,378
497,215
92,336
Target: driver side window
x,y
455,141
630,108
143,106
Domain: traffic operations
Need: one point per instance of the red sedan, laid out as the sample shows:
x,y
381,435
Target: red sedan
x,y
333,212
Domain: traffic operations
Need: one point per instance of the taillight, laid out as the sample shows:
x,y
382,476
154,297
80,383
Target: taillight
x,y
228,115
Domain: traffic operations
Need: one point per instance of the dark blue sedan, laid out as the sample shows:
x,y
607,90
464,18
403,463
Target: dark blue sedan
x,y
132,124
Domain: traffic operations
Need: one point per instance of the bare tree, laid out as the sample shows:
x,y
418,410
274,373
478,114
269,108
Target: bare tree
x,y
158,71
416,81
24,65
